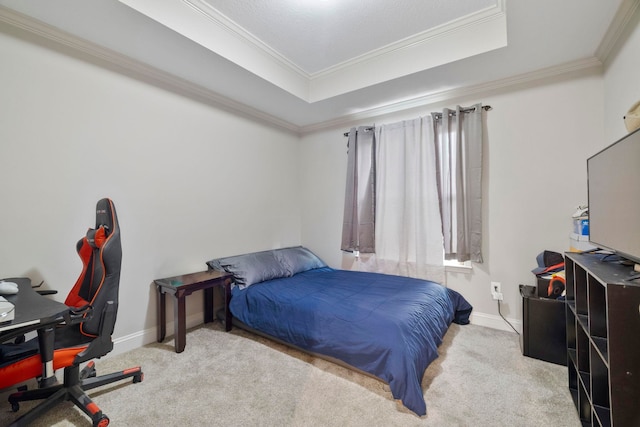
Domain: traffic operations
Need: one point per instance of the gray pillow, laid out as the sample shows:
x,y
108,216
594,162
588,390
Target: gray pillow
x,y
251,268
298,259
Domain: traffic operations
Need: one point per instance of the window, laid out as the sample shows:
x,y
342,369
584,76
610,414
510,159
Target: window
x,y
422,191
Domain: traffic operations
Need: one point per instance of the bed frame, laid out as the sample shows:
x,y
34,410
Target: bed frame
x,y
382,354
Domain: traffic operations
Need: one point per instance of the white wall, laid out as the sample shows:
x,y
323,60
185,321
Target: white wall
x,y
621,82
190,182
539,136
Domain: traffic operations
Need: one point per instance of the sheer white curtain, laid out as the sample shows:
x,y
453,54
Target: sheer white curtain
x,y
408,227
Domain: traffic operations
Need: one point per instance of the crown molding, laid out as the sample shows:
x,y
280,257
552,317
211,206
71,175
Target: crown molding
x,y
197,20
204,25
222,21
425,37
614,32
138,69
461,92
156,76
482,31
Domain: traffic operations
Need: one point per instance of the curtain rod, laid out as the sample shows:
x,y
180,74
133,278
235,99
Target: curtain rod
x,y
464,110
369,129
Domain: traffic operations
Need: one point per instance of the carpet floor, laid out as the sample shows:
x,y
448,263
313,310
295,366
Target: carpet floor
x,y
240,379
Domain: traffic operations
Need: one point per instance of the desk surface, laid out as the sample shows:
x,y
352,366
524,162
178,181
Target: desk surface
x,y
31,308
190,279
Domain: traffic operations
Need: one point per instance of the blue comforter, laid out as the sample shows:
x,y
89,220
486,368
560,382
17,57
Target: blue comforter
x,y
388,326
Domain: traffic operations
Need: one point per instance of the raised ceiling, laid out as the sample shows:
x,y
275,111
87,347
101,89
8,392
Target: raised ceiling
x,y
307,64
316,50
319,34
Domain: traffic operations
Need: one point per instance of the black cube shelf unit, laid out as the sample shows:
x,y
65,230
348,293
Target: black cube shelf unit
x,y
603,340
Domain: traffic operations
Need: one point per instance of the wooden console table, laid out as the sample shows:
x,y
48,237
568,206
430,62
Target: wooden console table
x,y
181,286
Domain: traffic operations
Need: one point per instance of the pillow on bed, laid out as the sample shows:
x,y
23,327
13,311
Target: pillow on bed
x,y
251,268
298,259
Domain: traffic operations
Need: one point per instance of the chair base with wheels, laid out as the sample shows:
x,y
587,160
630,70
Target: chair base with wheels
x,y
76,383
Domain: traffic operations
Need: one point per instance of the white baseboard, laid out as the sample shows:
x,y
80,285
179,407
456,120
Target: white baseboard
x,y
495,322
147,336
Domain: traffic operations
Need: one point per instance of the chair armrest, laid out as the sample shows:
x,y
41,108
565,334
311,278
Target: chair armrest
x,y
102,344
78,315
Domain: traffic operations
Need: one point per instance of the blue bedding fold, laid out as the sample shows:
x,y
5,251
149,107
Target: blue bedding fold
x,y
388,326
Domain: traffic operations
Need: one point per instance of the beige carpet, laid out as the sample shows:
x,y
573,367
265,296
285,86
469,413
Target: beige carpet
x,y
238,379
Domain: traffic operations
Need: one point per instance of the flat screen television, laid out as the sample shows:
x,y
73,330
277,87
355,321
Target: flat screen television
x,y
614,197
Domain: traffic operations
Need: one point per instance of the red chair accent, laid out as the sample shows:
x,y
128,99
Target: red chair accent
x,y
93,304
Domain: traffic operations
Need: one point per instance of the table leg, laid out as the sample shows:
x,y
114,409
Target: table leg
x,y
208,305
161,314
227,300
179,320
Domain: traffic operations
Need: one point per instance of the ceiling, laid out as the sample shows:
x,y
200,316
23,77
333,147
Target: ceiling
x,y
308,64
319,34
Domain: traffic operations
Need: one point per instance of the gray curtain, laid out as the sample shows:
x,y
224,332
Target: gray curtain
x,y
459,135
358,227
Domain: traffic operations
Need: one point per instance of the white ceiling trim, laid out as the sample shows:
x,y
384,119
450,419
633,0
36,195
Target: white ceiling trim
x,y
139,69
474,34
468,36
155,75
203,25
617,27
219,19
462,92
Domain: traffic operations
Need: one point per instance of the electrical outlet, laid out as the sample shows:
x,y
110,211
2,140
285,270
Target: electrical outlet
x,y
496,287
496,291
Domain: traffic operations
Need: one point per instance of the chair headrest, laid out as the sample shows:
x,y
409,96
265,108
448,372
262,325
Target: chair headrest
x,y
105,215
106,224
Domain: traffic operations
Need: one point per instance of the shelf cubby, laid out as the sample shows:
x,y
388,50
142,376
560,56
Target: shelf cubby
x,y
580,286
603,350
597,308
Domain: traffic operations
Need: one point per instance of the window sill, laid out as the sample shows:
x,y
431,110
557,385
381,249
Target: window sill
x,y
458,267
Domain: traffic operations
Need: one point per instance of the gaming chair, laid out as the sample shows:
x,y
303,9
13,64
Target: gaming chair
x,y
85,334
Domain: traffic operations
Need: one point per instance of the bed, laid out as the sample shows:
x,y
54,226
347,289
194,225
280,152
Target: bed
x,y
387,326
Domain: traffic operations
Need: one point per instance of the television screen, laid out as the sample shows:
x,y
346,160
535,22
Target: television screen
x,y
614,197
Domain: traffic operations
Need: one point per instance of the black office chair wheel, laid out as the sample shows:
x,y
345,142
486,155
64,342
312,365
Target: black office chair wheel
x,y
103,421
15,404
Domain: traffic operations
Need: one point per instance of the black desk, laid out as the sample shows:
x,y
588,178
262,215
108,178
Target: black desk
x,y
33,312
